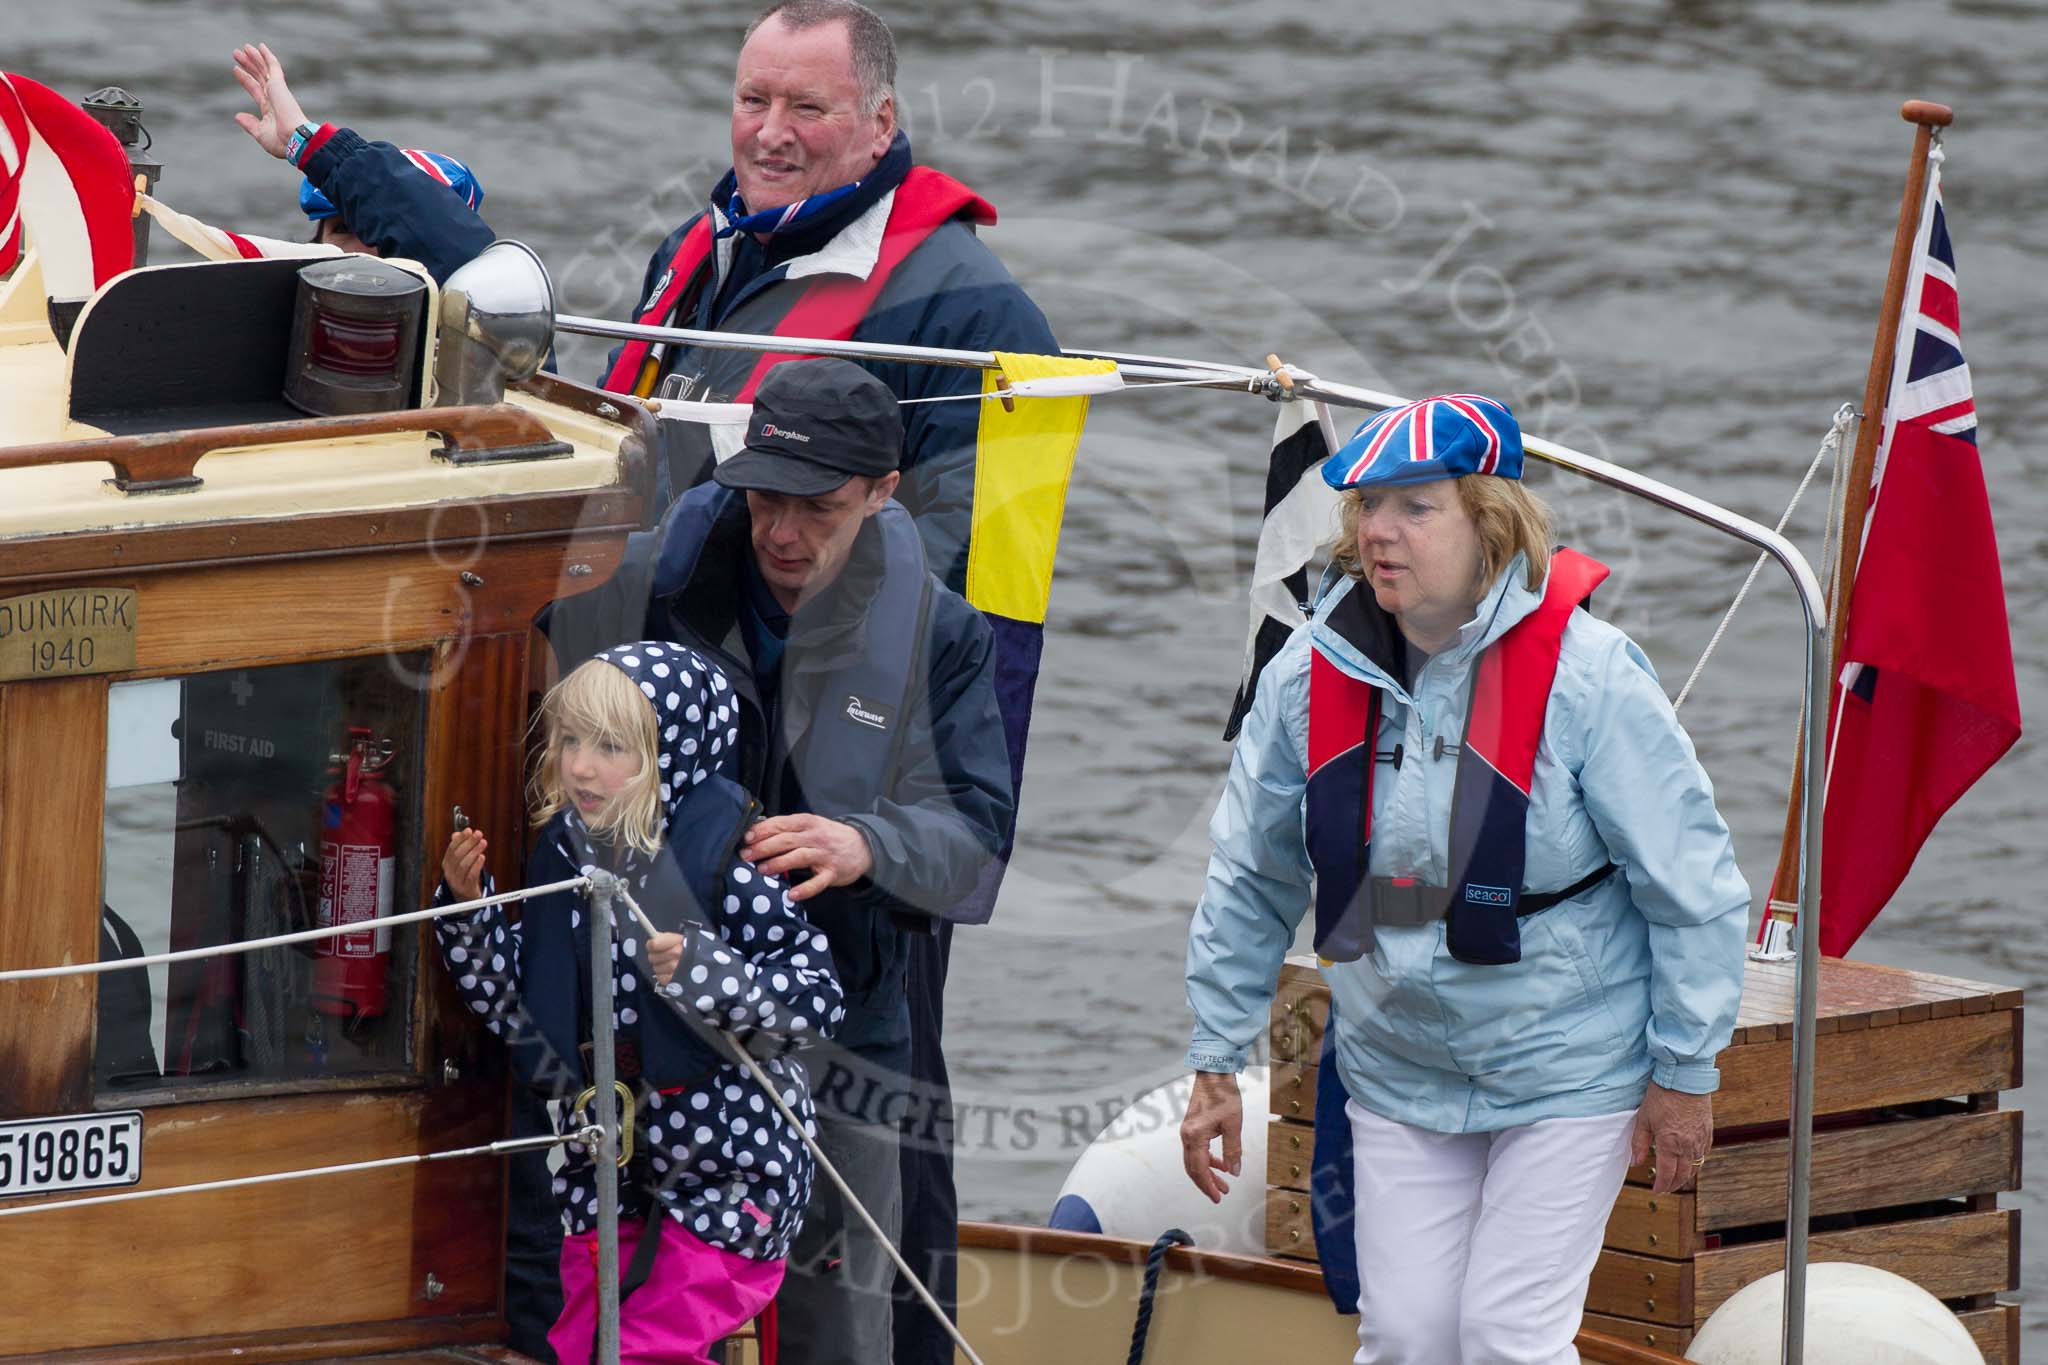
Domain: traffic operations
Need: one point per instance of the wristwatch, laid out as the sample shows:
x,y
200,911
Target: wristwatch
x,y
296,145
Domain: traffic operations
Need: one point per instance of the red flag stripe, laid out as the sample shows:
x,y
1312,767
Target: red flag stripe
x,y
13,148
1946,414
1938,302
96,166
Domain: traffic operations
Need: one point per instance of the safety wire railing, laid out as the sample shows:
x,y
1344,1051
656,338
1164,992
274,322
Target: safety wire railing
x,y
601,1135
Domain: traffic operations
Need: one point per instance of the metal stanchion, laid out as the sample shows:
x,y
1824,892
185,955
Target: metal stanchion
x,y
605,1114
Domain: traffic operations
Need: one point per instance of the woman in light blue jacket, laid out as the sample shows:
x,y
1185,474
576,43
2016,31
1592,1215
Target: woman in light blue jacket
x,y
1526,905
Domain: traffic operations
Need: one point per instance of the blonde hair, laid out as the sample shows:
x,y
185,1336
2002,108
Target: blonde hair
x,y
599,703
1508,518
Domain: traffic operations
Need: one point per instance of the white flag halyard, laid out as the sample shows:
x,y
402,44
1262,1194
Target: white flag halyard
x,y
1300,517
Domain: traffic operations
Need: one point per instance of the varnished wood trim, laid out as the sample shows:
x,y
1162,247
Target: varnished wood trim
x,y
286,1259
1863,1069
1642,1288
475,751
1996,1330
449,527
638,453
251,615
53,745
1949,1256
168,457
1628,1332
1875,1165
314,1343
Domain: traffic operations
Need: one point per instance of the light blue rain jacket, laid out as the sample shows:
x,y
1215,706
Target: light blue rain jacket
x,y
1635,980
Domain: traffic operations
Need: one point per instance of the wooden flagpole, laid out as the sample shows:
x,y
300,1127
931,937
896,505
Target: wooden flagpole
x,y
1925,116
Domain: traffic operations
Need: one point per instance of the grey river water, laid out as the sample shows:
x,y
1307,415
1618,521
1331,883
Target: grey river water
x,y
1659,229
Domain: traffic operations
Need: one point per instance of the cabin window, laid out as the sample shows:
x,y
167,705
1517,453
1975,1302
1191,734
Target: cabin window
x,y
244,804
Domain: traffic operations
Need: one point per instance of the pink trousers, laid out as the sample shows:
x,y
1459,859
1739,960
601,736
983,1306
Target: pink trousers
x,y
696,1294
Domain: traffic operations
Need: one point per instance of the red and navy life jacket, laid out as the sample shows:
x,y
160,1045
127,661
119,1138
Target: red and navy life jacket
x,y
1490,802
831,307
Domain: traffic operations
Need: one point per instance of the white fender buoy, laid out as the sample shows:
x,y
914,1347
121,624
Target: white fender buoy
x,y
1855,1315
1130,1181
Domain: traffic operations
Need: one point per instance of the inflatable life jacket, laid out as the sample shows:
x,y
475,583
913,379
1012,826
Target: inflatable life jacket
x,y
661,1048
830,307
1490,807
845,716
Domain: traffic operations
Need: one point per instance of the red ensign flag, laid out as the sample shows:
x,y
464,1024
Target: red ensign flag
x,y
1926,699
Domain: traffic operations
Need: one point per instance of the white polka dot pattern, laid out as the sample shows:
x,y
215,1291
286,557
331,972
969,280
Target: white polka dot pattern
x,y
732,1170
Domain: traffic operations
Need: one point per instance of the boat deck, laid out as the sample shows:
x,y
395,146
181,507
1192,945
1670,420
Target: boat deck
x,y
1911,1151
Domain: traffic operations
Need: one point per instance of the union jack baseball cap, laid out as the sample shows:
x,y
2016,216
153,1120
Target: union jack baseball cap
x,y
1445,437
446,169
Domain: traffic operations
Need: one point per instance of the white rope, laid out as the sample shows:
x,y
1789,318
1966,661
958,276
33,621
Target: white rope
x,y
1831,444
999,395
279,940
746,1060
508,1147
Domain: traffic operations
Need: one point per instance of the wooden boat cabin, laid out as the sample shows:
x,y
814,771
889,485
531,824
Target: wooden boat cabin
x,y
249,556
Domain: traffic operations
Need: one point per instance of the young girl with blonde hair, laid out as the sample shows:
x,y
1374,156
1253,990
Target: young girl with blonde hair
x,y
630,781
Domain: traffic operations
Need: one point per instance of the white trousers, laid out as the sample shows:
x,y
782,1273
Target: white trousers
x,y
1476,1248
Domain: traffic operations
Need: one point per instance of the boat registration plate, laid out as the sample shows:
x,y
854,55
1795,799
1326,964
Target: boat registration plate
x,y
82,1152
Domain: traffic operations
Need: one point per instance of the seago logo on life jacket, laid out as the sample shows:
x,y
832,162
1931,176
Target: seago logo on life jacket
x,y
872,714
1489,895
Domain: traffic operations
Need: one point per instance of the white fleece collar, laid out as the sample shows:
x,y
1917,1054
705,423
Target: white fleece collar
x,y
853,250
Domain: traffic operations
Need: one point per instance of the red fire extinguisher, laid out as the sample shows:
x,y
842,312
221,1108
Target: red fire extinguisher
x,y
358,866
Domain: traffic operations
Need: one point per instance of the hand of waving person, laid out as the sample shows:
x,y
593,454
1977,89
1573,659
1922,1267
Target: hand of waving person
x,y
1679,1128
261,74
462,866
836,854
1214,1111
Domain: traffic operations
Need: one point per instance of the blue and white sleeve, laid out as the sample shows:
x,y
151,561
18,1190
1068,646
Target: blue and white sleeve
x,y
765,973
1259,874
481,951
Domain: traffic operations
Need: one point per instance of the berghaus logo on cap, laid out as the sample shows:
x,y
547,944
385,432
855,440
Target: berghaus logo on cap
x,y
770,429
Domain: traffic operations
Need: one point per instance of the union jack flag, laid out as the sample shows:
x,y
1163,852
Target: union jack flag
x,y
1931,382
1440,429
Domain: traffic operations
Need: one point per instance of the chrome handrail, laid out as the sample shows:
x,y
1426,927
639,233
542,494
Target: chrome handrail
x,y
1812,601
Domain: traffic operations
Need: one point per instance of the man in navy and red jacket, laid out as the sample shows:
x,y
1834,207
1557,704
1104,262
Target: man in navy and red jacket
x,y
825,227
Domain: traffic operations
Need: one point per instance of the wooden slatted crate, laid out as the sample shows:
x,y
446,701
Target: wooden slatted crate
x,y
1910,1154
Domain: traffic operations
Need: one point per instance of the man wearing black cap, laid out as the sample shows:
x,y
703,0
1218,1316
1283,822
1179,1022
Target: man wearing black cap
x,y
870,732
